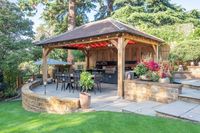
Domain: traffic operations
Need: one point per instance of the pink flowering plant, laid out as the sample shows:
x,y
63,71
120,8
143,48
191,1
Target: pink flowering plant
x,y
152,66
148,69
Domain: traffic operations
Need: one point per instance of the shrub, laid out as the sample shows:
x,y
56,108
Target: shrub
x,y
86,81
154,76
141,69
9,92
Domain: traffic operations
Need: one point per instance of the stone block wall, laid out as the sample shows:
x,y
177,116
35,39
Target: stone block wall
x,y
137,90
182,75
195,71
42,103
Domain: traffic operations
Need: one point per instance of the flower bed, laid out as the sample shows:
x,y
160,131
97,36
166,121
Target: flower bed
x,y
152,71
153,84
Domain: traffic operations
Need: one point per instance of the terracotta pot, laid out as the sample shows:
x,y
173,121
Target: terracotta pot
x,y
85,100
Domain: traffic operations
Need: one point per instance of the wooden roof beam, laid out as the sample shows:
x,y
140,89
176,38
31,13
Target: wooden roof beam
x,y
85,41
141,39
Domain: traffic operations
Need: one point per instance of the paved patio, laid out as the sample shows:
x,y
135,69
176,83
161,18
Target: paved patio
x,y
108,100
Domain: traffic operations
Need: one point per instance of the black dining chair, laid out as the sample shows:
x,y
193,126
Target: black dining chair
x,y
58,79
97,82
76,79
69,81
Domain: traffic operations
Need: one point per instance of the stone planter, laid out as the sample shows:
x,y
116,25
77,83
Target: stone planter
x,y
164,80
85,100
139,91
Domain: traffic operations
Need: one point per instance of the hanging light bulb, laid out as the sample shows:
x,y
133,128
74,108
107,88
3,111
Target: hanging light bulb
x,y
109,45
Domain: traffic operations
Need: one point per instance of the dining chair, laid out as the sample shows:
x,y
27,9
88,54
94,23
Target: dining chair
x,y
68,82
76,79
97,82
58,79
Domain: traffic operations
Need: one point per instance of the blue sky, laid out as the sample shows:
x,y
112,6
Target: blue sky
x,y
187,4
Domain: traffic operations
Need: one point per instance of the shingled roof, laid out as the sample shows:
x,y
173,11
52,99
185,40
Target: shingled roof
x,y
97,28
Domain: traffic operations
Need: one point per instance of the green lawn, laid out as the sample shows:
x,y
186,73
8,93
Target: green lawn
x,y
14,119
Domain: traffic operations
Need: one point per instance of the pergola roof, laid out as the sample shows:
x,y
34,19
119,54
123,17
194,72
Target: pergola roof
x,y
98,28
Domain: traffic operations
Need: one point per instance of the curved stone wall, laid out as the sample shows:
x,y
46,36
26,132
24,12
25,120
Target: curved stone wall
x,y
42,103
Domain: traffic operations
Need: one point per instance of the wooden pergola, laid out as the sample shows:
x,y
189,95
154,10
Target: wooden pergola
x,y
100,34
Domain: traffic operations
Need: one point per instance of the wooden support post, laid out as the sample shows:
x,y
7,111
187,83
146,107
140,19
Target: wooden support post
x,y
155,48
157,53
138,54
87,58
121,65
45,52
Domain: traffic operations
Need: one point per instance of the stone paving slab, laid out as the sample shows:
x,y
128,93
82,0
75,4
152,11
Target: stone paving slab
x,y
145,108
193,82
176,109
115,106
190,93
193,115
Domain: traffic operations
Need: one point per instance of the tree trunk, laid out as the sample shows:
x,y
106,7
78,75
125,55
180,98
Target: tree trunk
x,y
72,15
71,22
110,6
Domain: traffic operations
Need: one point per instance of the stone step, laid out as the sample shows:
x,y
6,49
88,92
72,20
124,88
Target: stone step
x,y
144,108
180,110
190,95
189,83
195,87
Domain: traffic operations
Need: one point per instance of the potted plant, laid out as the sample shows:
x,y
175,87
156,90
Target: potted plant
x,y
164,74
86,83
141,71
164,78
147,71
155,77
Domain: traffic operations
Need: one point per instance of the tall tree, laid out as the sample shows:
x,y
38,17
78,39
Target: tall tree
x,y
15,40
56,12
105,9
62,15
153,13
71,23
72,15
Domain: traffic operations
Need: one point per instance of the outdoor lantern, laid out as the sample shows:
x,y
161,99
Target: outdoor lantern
x,y
45,87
